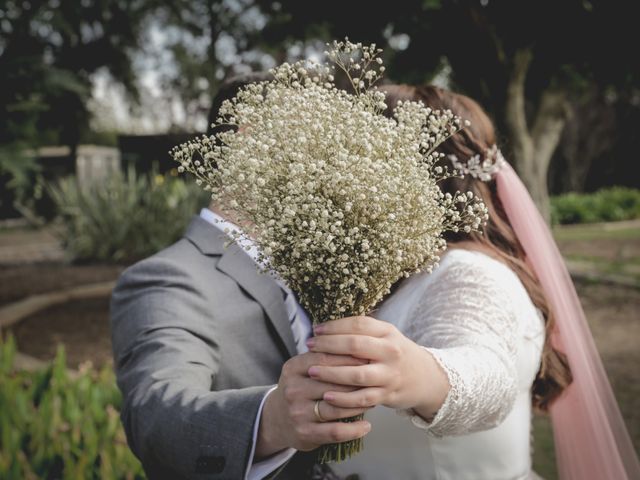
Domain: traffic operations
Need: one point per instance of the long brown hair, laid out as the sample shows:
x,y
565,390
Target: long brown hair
x,y
497,237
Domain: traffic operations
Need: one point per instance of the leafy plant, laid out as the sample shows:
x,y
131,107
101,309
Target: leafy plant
x,y
53,425
606,205
125,218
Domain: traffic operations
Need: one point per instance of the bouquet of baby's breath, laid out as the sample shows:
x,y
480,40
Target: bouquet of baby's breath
x,y
341,200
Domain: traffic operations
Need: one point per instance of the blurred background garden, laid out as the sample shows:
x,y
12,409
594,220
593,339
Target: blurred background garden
x,y
93,94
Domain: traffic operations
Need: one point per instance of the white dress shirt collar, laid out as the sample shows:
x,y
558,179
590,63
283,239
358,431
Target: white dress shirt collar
x,y
226,227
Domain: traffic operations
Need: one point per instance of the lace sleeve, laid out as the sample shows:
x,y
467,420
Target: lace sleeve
x,y
466,320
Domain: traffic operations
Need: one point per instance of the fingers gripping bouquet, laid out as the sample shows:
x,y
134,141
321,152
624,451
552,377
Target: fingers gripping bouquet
x,y
340,200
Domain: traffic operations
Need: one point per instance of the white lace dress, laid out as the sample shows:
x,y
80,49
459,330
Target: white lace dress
x,y
475,316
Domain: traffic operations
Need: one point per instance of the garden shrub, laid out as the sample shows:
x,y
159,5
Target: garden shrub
x,y
125,218
606,205
58,427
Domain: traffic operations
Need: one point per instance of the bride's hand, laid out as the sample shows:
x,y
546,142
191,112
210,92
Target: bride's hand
x,y
400,374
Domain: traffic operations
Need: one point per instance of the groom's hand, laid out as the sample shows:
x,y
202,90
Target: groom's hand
x,y
288,419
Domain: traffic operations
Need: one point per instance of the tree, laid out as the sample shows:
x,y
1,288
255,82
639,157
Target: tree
x,y
546,54
52,51
592,130
524,61
202,45
49,50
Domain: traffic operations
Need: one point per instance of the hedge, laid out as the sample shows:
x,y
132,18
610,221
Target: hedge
x,y
606,205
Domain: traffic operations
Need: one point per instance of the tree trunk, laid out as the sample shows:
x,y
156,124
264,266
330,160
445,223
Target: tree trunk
x,y
533,148
590,133
547,130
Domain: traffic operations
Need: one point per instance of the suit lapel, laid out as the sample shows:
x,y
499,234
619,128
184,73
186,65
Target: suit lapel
x,y
263,289
239,266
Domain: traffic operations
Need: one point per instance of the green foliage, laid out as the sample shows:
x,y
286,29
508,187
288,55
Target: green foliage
x,y
17,166
56,426
125,218
49,52
606,205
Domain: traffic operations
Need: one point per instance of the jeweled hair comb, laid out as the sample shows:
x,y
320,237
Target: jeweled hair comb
x,y
483,168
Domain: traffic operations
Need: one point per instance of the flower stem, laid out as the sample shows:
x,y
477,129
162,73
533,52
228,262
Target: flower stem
x,y
339,452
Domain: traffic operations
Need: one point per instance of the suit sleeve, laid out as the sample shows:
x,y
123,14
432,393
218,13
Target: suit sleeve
x,y
166,357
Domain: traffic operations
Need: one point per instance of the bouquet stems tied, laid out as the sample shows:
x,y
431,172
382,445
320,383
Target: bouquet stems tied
x,y
338,452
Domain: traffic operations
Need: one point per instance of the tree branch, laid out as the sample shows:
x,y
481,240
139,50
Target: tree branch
x,y
550,120
515,113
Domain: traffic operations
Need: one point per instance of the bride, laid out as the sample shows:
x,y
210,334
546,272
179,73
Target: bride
x,y
469,351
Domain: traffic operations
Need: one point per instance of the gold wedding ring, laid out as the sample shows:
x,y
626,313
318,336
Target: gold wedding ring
x,y
316,411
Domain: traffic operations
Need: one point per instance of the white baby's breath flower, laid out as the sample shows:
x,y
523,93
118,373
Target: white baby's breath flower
x,y
340,216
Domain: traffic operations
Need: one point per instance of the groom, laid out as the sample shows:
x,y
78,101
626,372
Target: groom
x,y
201,340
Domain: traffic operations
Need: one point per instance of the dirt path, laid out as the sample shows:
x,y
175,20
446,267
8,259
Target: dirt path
x,y
19,281
23,246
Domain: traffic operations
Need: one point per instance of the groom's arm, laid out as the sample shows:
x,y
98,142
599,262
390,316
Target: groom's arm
x,y
166,357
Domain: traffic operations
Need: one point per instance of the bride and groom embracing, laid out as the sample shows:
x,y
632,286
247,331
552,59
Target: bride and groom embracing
x,y
223,376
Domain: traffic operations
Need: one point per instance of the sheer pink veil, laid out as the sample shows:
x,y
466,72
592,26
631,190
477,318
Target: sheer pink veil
x,y
591,440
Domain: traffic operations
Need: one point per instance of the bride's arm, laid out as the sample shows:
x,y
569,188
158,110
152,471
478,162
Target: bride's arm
x,y
468,323
464,377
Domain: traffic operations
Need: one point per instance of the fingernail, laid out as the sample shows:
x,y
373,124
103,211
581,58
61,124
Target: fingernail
x,y
318,329
367,427
328,397
313,371
311,342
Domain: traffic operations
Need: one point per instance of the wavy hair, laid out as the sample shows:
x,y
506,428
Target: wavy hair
x,y
497,237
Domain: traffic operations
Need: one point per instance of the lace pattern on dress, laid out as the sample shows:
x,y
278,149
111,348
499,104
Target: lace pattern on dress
x,y
467,321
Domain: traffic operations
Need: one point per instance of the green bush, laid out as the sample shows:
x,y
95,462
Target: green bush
x,y
125,218
58,427
606,205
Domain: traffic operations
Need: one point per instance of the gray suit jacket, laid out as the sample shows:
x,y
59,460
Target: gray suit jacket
x,y
199,337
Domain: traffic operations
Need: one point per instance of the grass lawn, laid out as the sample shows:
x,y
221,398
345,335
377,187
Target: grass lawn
x,y
596,232
612,312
